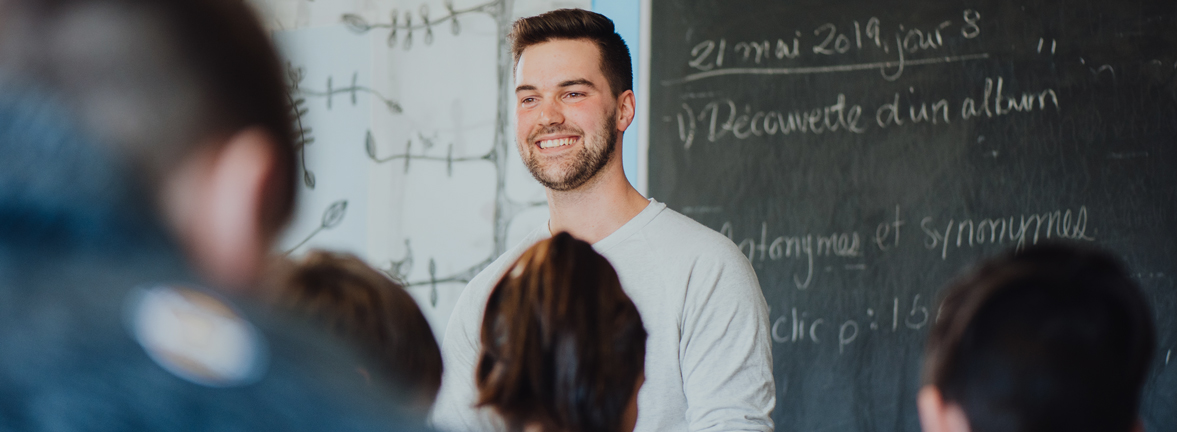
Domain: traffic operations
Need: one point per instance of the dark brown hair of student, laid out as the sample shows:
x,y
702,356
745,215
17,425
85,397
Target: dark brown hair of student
x,y
1050,338
364,307
563,347
578,24
157,79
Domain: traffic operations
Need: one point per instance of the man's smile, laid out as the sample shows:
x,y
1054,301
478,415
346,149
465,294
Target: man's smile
x,y
557,142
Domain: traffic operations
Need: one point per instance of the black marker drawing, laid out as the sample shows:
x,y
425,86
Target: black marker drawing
x,y
302,134
505,209
296,96
407,156
399,271
359,25
332,217
352,90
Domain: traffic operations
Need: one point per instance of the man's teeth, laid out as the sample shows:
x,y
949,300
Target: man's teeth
x,y
556,142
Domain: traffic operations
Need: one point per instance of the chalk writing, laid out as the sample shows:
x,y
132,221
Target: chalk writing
x,y
746,123
723,118
845,244
893,114
888,114
883,231
900,64
760,57
1058,223
796,326
1003,104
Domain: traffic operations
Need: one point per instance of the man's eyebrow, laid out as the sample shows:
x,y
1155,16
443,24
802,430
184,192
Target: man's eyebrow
x,y
524,87
580,81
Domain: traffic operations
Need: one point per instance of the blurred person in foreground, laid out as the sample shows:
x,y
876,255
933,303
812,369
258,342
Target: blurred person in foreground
x,y
1050,338
709,354
357,303
147,167
563,347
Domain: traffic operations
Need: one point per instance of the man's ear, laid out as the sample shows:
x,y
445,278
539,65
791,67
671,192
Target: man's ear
x,y
938,416
626,109
229,240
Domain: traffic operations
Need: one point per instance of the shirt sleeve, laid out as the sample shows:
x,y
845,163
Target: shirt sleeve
x,y
726,348
454,409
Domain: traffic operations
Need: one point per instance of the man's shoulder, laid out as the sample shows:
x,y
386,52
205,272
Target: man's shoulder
x,y
680,235
479,287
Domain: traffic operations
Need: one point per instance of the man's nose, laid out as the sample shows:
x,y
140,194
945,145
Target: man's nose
x,y
550,114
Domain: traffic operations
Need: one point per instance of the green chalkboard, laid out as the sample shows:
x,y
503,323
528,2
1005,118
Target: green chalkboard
x,y
864,153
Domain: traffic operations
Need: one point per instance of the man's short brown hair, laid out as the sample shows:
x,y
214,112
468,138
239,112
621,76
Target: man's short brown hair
x,y
578,24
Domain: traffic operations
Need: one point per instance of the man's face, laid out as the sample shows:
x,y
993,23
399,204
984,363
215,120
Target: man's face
x,y
567,115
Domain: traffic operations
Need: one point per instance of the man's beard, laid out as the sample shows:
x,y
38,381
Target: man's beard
x,y
595,153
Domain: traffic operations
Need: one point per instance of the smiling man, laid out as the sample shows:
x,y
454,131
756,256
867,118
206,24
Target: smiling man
x,y
709,360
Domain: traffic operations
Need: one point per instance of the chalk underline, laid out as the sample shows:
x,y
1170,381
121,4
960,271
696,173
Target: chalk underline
x,y
822,69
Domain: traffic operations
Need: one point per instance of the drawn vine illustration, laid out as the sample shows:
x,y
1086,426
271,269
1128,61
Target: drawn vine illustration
x,y
296,96
407,156
401,28
359,25
332,217
297,99
353,90
298,110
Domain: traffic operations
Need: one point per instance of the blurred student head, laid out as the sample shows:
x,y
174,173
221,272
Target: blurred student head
x,y
189,93
563,347
1050,338
359,304
124,126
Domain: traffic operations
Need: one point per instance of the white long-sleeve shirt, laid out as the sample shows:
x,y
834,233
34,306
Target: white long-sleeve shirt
x,y
708,354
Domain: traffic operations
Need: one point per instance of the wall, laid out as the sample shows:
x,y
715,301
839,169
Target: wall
x,y
408,157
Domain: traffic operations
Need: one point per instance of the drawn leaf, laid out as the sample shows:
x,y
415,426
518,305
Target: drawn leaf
x,y
308,178
356,23
395,107
334,214
370,145
295,74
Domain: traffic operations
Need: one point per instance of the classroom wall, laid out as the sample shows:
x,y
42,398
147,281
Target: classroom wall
x,y
404,161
